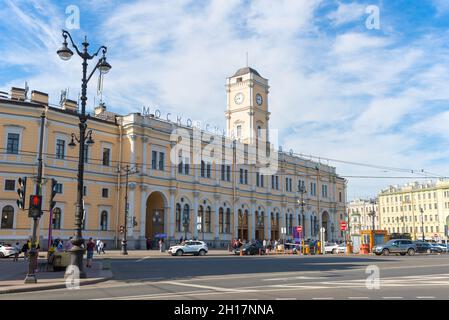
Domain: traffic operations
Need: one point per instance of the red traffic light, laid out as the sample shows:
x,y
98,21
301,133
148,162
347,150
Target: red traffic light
x,y
35,201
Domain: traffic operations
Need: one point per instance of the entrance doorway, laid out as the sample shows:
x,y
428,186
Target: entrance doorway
x,y
325,225
155,218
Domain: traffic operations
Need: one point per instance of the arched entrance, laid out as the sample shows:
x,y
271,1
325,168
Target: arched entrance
x,y
155,217
275,226
260,225
325,224
243,224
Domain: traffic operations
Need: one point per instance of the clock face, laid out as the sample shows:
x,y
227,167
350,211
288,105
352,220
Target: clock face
x,y
239,98
259,99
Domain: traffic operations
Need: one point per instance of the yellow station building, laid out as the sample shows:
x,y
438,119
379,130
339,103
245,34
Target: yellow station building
x,y
181,187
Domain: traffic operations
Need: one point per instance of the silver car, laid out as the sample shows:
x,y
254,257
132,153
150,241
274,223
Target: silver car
x,y
197,248
397,246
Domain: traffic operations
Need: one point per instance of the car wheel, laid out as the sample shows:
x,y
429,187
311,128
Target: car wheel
x,y
411,252
1,255
428,251
202,252
385,252
179,253
402,253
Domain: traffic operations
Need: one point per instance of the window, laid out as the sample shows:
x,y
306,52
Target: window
x,y
228,221
58,188
246,176
259,131
56,221
104,221
178,217
180,165
272,182
340,198
208,170
161,161
105,192
60,149
241,176
240,79
207,220
13,143
153,159
239,131
324,191
277,182
186,218
10,185
223,172
187,166
257,179
106,157
221,220
84,191
228,173
203,169
261,180
7,217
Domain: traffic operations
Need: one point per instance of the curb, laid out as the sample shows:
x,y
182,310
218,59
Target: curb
x,y
59,285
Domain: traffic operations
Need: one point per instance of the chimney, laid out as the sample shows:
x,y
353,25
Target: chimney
x,y
39,97
17,94
100,109
70,105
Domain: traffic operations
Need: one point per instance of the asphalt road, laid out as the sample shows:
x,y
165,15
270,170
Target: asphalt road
x,y
268,277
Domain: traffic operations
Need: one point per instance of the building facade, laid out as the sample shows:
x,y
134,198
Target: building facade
x,y
361,217
190,183
416,208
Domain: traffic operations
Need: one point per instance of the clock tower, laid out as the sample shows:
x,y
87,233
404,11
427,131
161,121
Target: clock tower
x,y
247,113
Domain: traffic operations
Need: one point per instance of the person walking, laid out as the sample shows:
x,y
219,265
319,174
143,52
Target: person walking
x,y
97,246
17,252
161,245
90,252
148,243
25,251
264,243
102,246
68,245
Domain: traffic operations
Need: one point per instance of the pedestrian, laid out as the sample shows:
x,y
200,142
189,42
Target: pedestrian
x,y
148,243
25,251
16,252
90,252
102,246
161,245
180,240
264,243
97,246
68,245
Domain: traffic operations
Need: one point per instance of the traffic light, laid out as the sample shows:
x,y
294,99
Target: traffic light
x,y
21,191
54,183
122,229
35,206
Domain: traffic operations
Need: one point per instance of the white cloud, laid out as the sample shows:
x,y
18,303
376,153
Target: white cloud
x,y
347,12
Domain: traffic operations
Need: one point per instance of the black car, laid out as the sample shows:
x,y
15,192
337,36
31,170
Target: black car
x,y
425,247
250,249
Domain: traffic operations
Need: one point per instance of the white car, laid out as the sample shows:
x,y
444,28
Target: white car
x,y
7,251
197,248
341,248
330,248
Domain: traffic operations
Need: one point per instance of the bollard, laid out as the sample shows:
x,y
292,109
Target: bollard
x,y
241,252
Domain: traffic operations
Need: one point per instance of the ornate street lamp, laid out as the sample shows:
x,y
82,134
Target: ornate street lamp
x,y
65,53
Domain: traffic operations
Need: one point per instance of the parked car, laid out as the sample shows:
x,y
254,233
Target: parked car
x,y
442,246
425,247
341,248
197,248
331,247
397,246
7,250
250,249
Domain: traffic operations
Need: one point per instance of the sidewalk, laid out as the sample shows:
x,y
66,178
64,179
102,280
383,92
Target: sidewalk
x,y
138,254
12,276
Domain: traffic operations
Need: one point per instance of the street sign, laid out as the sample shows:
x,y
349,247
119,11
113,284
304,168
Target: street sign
x,y
299,229
343,225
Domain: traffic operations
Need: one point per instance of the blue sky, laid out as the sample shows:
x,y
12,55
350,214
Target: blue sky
x,y
338,89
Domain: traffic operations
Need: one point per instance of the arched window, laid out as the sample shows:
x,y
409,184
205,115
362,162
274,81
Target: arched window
x,y
221,220
104,220
56,222
291,224
186,217
245,219
7,217
207,220
203,169
277,219
201,217
228,220
178,218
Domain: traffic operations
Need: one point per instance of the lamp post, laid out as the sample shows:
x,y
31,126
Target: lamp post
x,y
372,214
302,190
128,171
65,53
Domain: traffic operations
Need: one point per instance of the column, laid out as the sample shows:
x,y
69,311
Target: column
x,y
282,222
236,219
216,220
268,222
252,227
129,223
143,211
171,234
144,155
132,140
195,214
172,163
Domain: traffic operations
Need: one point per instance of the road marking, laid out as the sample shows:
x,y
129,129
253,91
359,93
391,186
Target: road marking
x,y
200,286
427,297
145,258
292,278
285,298
392,298
327,298
357,298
